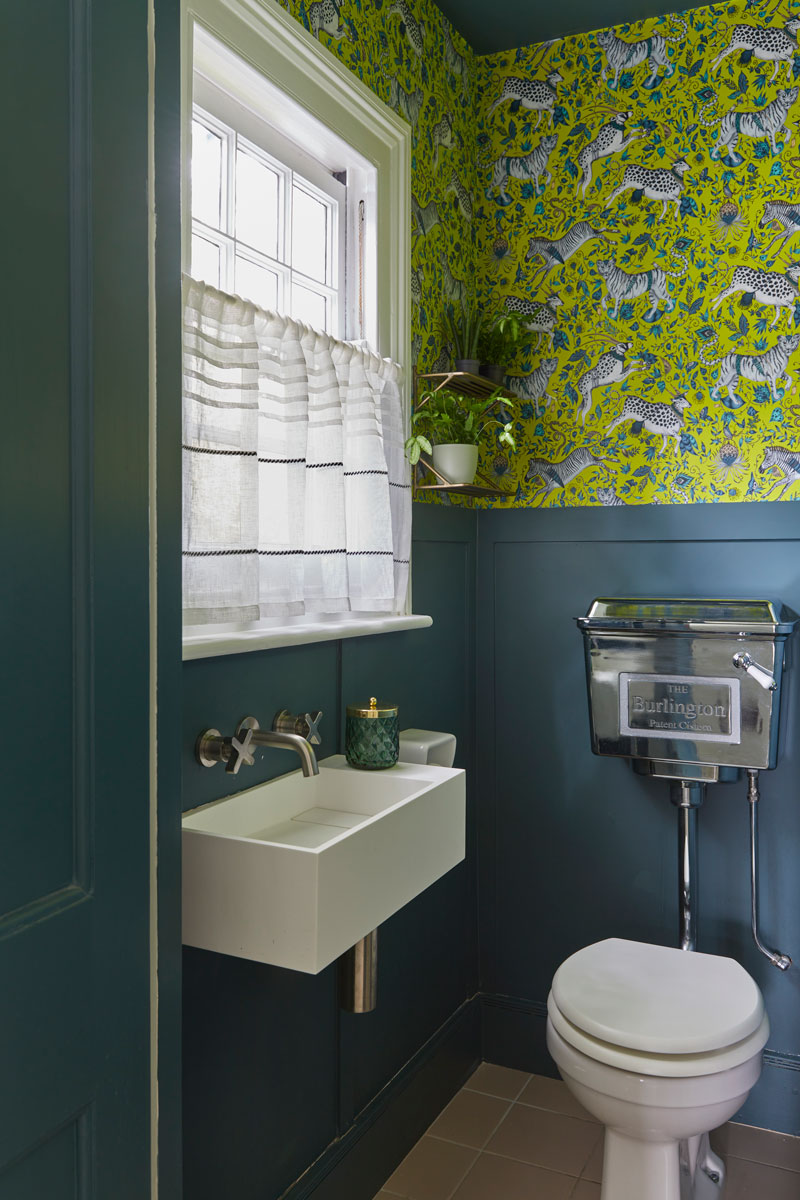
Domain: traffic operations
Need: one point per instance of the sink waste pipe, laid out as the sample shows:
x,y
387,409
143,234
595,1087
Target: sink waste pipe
x,y
358,976
781,961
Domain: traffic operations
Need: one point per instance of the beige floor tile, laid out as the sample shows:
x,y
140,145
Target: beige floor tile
x,y
546,1139
553,1095
470,1119
585,1190
762,1146
593,1171
493,1178
431,1171
388,1196
497,1081
753,1181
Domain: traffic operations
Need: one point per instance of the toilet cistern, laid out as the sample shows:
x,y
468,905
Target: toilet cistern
x,y
690,691
211,747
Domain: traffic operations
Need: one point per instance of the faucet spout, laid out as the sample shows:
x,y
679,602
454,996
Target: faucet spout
x,y
284,741
211,747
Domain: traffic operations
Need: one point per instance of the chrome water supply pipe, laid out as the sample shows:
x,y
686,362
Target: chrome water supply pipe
x,y
687,798
781,961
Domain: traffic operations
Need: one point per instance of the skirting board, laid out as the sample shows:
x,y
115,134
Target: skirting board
x,y
513,1035
355,1166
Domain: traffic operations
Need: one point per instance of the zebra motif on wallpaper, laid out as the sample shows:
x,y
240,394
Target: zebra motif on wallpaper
x,y
787,462
555,475
765,44
760,366
555,252
786,215
625,56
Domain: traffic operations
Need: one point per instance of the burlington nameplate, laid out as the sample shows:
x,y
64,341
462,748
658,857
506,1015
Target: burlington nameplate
x,y
699,708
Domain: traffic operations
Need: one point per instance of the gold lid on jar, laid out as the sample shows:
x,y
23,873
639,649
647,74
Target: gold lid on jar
x,y
373,709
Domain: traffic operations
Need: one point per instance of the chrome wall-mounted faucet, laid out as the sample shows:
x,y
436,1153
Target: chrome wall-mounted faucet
x,y
288,733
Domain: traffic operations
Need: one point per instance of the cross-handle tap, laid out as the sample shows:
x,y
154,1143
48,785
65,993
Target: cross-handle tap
x,y
305,724
212,748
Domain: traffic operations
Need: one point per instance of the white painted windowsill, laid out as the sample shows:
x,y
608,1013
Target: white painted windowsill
x,y
209,644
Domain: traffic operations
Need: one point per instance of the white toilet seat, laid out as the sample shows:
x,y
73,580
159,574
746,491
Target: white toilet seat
x,y
663,1066
656,1000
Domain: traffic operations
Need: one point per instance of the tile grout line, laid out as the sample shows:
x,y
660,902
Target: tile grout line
x,y
452,1193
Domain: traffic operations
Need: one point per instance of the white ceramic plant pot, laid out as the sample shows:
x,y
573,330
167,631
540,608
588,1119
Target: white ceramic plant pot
x,y
458,463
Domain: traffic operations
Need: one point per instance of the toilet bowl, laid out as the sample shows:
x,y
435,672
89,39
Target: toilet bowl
x,y
661,1046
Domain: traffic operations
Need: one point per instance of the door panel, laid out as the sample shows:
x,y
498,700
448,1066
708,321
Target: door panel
x,y
74,698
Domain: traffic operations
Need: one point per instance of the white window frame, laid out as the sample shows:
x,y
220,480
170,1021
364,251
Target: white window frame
x,y
283,55
231,121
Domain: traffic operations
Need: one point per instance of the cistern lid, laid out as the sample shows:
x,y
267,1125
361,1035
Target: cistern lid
x,y
657,999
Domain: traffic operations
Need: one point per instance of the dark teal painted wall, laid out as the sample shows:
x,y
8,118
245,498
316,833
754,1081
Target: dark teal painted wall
x,y
575,848
273,1072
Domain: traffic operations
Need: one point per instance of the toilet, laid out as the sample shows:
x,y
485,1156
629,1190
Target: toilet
x,y
661,1046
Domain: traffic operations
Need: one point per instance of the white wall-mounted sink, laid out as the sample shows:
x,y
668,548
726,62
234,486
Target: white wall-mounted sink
x,y
294,872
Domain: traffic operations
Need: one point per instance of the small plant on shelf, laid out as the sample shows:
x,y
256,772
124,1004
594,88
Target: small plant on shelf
x,y
463,330
497,345
450,427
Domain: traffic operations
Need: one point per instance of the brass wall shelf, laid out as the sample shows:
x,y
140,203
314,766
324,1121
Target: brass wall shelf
x,y
479,387
471,385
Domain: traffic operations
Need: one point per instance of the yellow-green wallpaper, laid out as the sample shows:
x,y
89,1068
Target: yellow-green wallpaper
x,y
648,380
412,58
643,210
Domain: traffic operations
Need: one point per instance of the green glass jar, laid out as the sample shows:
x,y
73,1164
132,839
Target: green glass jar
x,y
372,736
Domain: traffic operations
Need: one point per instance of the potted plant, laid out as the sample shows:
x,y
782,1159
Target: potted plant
x,y
497,345
463,331
450,426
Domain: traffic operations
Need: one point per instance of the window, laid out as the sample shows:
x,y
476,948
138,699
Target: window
x,y
300,190
268,223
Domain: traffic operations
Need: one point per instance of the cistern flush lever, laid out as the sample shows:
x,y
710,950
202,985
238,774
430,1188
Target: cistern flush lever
x,y
744,662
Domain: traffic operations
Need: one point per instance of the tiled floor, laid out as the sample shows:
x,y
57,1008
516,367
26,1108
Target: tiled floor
x,y
512,1136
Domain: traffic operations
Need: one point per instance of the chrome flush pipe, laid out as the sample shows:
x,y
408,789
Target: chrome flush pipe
x,y
687,798
781,961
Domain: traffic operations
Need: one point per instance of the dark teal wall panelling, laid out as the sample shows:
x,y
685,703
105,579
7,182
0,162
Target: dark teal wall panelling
x,y
575,848
273,1072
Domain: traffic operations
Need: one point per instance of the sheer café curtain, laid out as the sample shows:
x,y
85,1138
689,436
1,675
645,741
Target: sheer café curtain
x,y
296,491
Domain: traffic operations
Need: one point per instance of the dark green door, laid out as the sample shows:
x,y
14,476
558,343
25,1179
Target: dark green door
x,y
75,792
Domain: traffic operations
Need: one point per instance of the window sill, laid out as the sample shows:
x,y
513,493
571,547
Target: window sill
x,y
210,645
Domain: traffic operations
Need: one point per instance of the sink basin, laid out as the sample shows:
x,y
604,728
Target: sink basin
x,y
295,871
